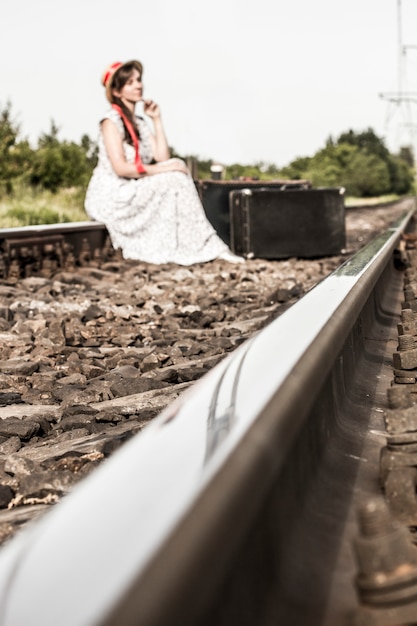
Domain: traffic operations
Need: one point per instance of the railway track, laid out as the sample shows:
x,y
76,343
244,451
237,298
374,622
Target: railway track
x,y
239,502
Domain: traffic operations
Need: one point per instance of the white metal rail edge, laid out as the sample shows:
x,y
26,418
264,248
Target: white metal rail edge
x,y
159,541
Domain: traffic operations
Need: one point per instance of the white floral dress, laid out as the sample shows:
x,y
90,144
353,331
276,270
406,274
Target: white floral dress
x,y
158,218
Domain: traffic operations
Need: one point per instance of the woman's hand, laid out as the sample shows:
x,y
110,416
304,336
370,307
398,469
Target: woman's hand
x,y
177,165
151,109
172,165
159,143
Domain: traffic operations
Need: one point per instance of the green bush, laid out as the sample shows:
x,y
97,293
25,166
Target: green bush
x,y
401,175
366,175
15,155
60,165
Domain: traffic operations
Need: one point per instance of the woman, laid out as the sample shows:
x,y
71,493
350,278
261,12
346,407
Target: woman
x,y
147,200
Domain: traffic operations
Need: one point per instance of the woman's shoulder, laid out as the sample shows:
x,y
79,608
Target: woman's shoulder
x,y
114,116
111,114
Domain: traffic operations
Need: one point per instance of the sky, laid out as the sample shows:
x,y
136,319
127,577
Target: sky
x,y
238,81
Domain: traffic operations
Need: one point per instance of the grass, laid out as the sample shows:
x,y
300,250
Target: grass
x,y
28,207
352,202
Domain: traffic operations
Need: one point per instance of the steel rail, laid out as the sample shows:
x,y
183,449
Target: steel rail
x,y
47,229
195,521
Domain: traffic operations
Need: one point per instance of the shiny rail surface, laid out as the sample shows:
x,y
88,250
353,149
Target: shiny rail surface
x,y
232,506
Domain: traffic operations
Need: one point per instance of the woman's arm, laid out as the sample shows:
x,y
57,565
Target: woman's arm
x,y
159,141
114,147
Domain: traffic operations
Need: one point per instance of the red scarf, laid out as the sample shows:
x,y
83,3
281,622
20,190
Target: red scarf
x,y
138,161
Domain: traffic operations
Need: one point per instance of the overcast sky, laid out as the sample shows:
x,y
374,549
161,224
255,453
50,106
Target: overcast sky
x,y
237,80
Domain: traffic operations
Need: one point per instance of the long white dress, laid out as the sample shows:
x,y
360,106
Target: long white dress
x,y
158,218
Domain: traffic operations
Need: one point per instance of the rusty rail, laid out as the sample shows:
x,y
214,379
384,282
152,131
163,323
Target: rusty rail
x,y
37,249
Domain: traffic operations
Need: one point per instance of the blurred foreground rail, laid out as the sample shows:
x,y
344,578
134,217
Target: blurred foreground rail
x,y
238,503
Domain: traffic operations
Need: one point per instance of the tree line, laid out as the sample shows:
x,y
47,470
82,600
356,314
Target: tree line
x,y
358,161
53,164
361,163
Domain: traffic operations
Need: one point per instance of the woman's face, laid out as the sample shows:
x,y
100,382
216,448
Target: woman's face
x,y
132,90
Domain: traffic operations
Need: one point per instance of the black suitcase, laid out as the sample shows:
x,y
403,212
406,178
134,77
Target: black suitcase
x,y
214,195
282,223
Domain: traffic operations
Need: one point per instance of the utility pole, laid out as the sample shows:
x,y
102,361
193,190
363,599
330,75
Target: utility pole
x,y
402,99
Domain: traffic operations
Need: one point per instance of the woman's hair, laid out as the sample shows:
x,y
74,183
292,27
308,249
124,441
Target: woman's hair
x,y
120,78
